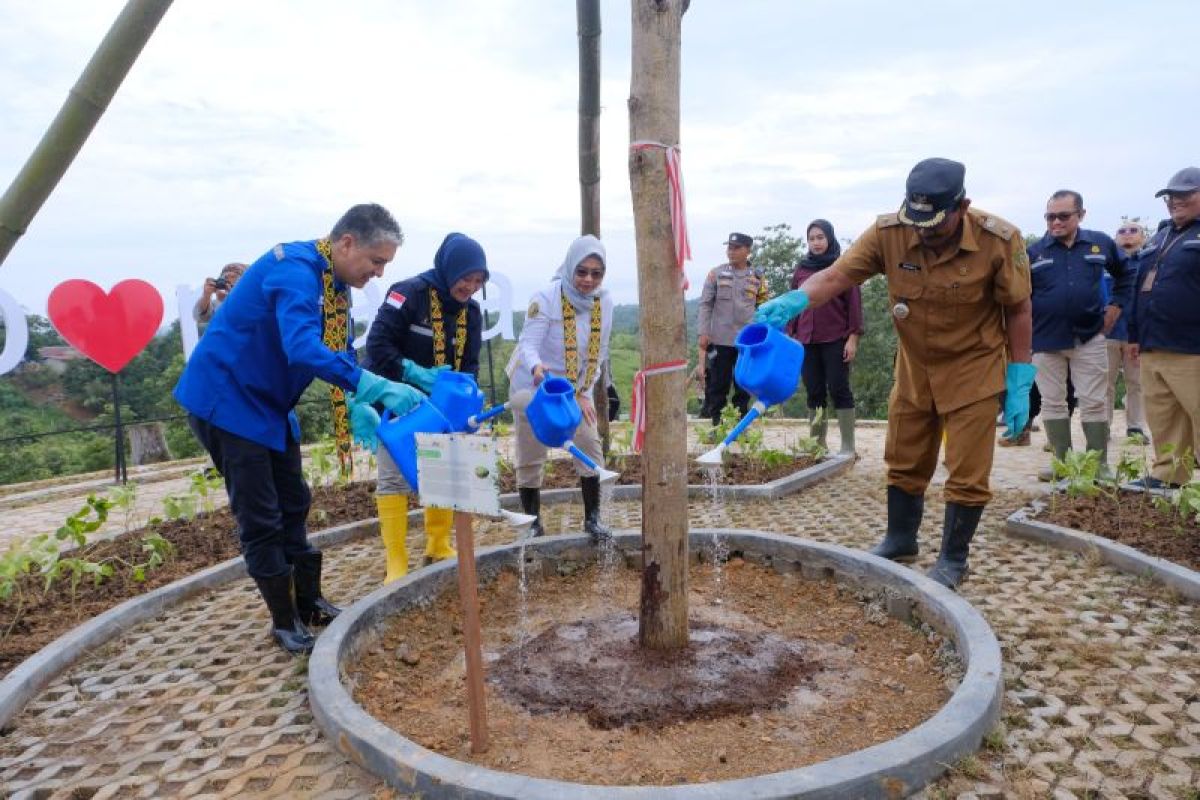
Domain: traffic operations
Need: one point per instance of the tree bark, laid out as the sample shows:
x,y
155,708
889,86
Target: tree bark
x,y
148,444
654,116
78,116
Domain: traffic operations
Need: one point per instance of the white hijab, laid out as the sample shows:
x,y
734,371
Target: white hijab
x,y
580,249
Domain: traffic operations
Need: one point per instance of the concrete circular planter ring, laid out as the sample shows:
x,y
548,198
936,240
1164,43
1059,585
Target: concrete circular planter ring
x,y
891,769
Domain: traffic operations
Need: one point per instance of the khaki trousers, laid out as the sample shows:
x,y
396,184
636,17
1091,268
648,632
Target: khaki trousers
x,y
1171,389
531,454
1135,417
1088,365
914,435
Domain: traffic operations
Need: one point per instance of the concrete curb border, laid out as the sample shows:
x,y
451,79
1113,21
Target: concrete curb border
x,y
38,671
1123,557
891,769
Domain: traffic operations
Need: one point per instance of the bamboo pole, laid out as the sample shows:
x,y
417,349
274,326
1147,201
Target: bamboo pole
x,y
80,112
587,15
654,116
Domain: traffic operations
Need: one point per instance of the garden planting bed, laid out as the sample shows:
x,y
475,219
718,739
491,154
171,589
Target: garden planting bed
x,y
1136,519
811,671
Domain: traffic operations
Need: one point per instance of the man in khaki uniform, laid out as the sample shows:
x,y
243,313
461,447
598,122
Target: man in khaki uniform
x,y
958,283
731,294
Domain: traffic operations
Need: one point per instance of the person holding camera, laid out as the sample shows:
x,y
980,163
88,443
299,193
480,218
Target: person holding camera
x,y
215,291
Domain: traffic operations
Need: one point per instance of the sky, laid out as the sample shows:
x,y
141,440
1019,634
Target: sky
x,y
248,123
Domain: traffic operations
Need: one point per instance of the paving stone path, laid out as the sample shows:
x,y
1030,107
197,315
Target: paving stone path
x,y
1102,674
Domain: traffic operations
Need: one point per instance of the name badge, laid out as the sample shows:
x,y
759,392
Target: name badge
x,y
907,267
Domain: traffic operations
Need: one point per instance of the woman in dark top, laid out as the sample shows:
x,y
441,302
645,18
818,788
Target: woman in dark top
x,y
830,337
426,324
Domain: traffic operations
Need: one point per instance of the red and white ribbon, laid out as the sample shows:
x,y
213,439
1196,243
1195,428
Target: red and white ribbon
x,y
683,246
638,407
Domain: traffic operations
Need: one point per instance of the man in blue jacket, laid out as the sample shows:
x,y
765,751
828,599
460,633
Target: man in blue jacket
x,y
1164,332
1070,321
241,385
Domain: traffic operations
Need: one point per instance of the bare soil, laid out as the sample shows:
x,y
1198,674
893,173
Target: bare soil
x,y
738,470
845,676
1132,519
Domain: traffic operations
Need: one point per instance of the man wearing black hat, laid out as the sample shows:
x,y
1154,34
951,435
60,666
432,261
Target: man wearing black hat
x,y
958,282
1164,331
731,293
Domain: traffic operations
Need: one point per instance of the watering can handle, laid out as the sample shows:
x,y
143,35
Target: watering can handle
x,y
387,416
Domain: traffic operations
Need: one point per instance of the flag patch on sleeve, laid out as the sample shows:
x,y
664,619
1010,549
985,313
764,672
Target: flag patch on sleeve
x,y
395,299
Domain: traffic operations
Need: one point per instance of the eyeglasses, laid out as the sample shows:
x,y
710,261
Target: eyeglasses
x,y
1061,216
1128,231
1179,197
594,274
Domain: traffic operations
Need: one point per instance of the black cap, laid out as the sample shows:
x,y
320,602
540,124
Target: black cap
x,y
740,239
934,187
1186,180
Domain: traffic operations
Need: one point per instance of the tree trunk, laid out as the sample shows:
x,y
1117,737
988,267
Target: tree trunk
x,y
79,114
148,444
587,14
654,116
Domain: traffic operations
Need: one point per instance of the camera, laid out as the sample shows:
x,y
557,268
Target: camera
x,y
220,284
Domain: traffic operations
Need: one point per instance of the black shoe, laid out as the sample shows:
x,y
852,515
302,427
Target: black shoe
x,y
286,626
313,608
904,513
531,503
961,522
1150,482
592,526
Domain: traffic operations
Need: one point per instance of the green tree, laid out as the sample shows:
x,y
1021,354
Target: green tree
x,y
776,252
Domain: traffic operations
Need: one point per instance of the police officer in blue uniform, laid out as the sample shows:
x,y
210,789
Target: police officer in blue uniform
x,y
1164,331
241,385
1071,320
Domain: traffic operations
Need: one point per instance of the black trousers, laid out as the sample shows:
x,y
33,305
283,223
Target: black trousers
x,y
718,378
267,494
826,374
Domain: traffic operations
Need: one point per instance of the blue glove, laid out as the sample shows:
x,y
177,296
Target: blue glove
x,y
398,398
363,422
421,377
782,309
1018,380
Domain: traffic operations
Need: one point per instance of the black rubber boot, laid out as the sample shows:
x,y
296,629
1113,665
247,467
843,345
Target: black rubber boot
x,y
531,503
286,626
951,566
592,526
314,609
904,512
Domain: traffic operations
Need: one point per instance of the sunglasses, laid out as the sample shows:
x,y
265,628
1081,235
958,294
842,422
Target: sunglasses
x,y
1128,231
1061,216
594,274
1178,197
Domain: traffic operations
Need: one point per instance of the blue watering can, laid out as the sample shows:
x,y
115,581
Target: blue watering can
x,y
399,435
768,367
458,397
554,414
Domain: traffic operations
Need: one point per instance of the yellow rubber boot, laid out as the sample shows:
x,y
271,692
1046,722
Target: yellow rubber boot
x,y
437,534
393,529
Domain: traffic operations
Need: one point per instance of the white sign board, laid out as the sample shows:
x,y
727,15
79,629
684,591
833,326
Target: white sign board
x,y
459,471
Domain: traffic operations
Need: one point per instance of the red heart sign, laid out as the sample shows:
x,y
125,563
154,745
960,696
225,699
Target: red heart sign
x,y
111,328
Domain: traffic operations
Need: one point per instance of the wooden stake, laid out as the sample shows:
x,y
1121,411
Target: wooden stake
x,y
468,595
654,117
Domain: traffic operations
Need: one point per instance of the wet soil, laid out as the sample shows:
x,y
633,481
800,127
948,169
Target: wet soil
x,y
596,668
1133,519
845,677
34,616
738,470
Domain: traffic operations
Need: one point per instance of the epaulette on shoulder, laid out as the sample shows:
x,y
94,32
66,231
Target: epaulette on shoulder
x,y
996,226
278,251
887,220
